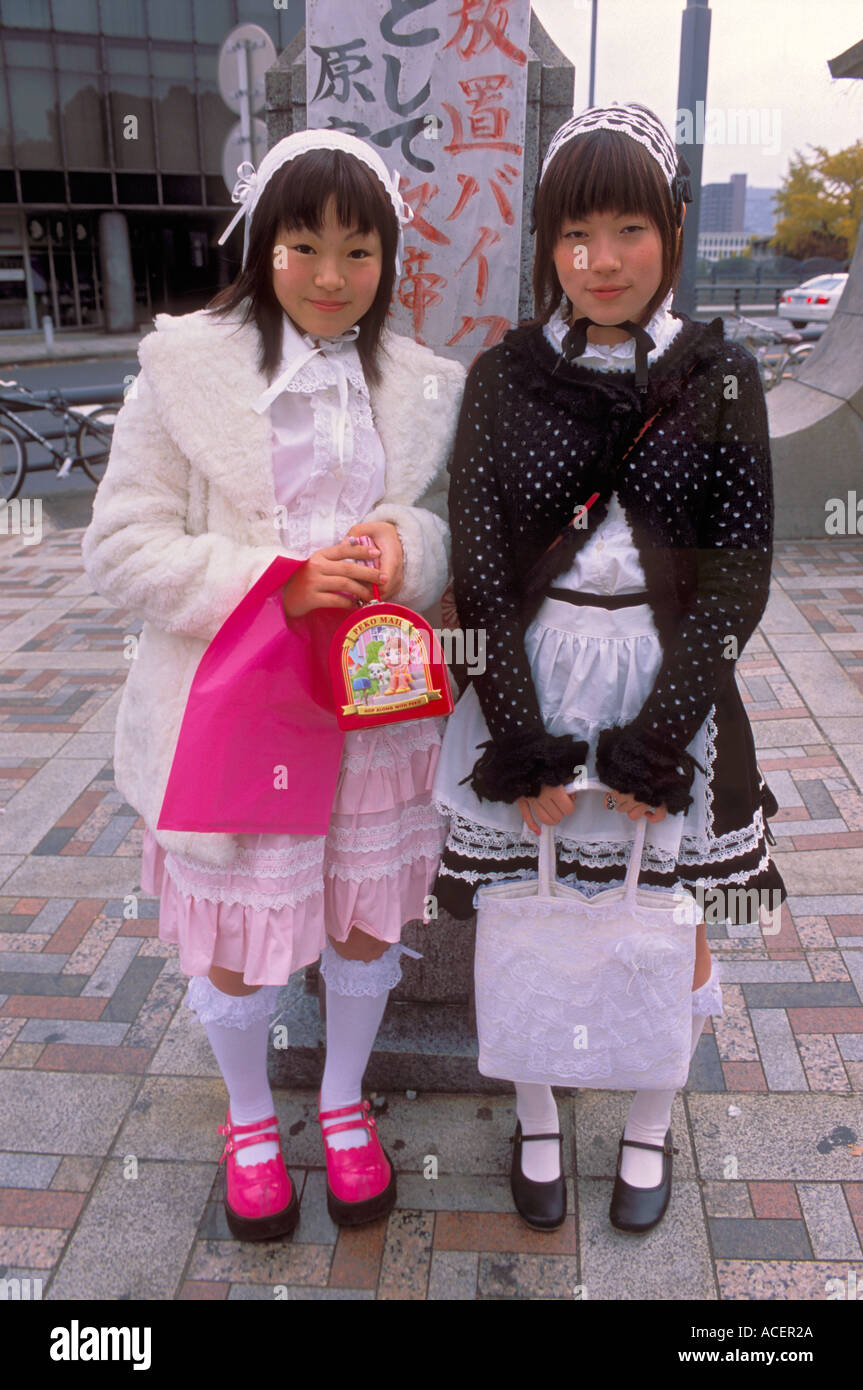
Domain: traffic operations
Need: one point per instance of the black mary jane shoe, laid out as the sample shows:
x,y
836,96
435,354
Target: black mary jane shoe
x,y
639,1209
541,1204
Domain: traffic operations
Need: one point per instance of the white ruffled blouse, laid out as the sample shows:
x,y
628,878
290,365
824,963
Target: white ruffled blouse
x,y
328,460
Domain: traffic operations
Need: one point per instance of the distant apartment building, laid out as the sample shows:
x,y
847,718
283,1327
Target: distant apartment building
x,y
715,246
731,214
723,205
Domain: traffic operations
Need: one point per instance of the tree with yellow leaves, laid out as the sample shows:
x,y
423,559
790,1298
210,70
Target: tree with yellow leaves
x,y
820,204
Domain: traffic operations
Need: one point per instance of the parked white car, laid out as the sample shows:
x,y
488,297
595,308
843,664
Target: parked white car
x,y
814,301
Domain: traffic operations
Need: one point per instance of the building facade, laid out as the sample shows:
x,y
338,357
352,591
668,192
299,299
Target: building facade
x,y
111,138
723,205
716,246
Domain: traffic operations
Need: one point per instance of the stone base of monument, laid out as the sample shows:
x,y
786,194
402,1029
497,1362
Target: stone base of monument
x,y
427,1041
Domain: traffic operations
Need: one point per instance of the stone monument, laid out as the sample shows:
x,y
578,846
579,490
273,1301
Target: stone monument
x,y
816,420
427,1040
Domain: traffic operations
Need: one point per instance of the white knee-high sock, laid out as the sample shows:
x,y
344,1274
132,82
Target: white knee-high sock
x,y
537,1113
357,993
237,1027
650,1112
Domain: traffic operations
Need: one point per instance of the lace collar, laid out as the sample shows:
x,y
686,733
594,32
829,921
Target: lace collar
x,y
662,326
313,364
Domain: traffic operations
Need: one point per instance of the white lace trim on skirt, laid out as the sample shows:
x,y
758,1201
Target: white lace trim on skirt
x,y
363,839
389,751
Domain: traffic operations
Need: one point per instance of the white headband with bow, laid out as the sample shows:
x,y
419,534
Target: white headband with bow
x,y
251,182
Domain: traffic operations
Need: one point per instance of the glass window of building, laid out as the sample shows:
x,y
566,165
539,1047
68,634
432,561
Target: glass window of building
x,y
214,19
82,120
127,17
26,14
170,19
216,121
173,62
77,16
27,53
177,120
127,57
132,123
77,56
34,118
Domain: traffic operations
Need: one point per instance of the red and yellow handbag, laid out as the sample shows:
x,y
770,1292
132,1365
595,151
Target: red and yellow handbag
x,y
386,666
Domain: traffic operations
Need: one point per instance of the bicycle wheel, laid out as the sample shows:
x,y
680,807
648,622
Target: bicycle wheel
x,y
13,464
93,442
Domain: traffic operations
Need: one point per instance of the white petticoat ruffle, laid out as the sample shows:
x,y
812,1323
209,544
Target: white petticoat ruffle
x,y
592,667
364,978
229,1010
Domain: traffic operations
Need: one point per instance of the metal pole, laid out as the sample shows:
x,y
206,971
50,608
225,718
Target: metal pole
x,y
242,51
691,105
592,52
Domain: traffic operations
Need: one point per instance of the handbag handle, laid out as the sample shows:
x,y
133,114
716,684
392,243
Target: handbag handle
x,y
547,866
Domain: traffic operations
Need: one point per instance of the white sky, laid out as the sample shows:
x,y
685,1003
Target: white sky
x,y
767,55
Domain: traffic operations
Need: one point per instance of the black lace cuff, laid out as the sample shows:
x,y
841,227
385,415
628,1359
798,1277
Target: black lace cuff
x,y
522,764
645,765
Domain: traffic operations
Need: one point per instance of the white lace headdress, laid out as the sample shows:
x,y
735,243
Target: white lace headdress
x,y
251,182
639,123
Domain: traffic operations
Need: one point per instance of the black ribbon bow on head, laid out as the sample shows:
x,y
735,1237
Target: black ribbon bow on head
x,y
575,343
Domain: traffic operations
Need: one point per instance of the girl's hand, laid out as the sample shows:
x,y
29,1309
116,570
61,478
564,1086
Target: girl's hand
x,y
628,805
386,537
331,578
552,804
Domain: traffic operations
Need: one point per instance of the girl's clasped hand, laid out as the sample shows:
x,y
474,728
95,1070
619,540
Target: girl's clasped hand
x,y
333,577
553,803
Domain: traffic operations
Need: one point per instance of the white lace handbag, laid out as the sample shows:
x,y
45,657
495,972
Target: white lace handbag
x,y
577,991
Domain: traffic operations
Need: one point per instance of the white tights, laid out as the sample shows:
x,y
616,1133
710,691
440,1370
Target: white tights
x,y
648,1118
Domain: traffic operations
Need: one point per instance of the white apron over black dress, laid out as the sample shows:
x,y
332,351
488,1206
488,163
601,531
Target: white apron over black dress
x,y
594,652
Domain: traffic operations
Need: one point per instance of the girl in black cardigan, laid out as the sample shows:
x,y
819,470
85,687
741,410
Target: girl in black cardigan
x,y
644,434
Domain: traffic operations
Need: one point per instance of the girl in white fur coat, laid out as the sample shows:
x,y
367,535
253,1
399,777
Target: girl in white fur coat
x,y
287,401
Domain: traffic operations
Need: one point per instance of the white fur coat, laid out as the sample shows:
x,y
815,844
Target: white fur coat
x,y
184,520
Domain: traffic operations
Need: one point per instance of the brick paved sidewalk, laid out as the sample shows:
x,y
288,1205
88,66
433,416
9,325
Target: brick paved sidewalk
x,y
110,1097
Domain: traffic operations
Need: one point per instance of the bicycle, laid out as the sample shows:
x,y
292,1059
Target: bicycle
x,y
92,431
779,355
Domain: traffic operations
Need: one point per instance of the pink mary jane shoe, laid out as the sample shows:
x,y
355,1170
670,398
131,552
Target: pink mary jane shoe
x,y
260,1199
361,1182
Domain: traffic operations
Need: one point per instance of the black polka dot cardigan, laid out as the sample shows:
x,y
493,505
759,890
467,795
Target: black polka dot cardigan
x,y
536,438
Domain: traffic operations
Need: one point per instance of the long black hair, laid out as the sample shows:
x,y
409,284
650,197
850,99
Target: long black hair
x,y
296,196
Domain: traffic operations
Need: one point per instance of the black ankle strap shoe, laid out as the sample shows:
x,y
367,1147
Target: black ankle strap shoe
x,y
639,1209
541,1204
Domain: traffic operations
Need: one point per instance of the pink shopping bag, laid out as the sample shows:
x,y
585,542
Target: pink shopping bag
x,y
259,747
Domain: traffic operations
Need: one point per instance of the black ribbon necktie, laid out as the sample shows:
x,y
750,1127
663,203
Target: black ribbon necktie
x,y
575,343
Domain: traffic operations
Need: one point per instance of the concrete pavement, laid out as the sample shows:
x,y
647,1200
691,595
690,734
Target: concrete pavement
x,y
109,1178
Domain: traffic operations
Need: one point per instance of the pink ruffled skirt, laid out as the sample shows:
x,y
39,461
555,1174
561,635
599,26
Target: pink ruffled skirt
x,y
271,912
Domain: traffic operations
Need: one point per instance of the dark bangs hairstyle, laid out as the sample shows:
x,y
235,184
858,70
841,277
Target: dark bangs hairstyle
x,y
296,196
597,172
